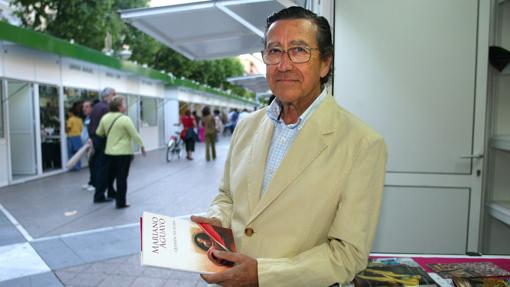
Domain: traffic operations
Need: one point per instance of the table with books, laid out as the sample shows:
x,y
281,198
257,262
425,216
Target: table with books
x,y
437,270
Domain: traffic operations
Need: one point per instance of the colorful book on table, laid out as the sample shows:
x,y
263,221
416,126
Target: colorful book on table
x,y
468,270
393,272
482,282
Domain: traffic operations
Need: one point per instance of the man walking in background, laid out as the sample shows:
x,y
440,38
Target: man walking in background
x,y
85,139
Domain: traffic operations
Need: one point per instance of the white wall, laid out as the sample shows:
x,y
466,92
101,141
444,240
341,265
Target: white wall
x,y
18,62
78,74
409,69
4,171
171,111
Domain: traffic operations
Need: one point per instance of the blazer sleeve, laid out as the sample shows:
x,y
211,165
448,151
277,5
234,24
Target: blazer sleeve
x,y
350,236
222,205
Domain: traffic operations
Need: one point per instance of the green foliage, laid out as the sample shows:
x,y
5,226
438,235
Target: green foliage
x,y
87,22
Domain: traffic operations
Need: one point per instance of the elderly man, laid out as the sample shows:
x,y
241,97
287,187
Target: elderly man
x,y
303,178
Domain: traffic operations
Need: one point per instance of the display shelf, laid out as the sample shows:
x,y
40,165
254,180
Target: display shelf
x,y
501,142
500,210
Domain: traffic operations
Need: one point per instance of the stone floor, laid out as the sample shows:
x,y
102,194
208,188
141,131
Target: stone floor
x,y
51,234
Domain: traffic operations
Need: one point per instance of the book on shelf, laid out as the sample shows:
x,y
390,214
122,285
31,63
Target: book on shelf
x,y
393,272
180,244
468,270
482,282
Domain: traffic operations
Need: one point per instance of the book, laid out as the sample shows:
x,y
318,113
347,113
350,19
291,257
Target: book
x,y
482,282
393,272
180,244
468,270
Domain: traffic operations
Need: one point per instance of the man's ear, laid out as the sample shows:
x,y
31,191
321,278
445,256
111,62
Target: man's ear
x,y
326,66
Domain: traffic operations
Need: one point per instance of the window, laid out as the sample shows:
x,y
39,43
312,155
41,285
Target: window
x,y
73,98
149,111
50,127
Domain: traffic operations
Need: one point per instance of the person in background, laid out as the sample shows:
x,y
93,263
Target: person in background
x,y
232,120
74,126
102,178
304,178
120,133
87,109
209,125
218,123
200,129
188,134
243,114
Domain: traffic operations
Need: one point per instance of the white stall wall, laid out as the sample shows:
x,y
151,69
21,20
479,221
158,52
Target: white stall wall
x,y
47,68
78,74
409,69
4,170
18,62
171,111
150,137
113,79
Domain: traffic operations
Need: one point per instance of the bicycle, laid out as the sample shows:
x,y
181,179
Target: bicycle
x,y
174,147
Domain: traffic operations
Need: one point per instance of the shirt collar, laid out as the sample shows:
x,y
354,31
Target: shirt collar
x,y
275,108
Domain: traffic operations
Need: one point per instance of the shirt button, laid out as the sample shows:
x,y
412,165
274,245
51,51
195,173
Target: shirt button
x,y
249,232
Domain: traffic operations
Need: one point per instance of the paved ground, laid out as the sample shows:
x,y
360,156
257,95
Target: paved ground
x,y
51,234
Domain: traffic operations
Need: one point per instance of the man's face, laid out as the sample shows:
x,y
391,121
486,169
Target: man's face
x,y
87,108
295,82
110,96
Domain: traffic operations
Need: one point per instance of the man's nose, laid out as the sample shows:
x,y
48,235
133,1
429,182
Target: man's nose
x,y
285,62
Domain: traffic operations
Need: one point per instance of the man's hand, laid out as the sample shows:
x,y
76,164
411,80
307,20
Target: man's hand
x,y
209,220
243,274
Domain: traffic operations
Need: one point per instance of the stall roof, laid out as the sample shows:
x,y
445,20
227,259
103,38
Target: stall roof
x,y
254,83
46,43
209,29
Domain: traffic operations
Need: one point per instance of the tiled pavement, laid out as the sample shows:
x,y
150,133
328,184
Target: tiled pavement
x,y
51,234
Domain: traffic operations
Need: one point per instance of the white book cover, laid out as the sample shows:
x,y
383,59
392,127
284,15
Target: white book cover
x,y
181,244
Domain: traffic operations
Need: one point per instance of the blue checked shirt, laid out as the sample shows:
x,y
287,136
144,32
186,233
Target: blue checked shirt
x,y
283,137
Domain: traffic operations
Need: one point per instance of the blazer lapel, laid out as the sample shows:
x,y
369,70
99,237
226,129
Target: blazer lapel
x,y
258,155
307,146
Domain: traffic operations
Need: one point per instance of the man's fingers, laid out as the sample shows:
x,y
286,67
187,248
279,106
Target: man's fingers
x,y
201,219
229,256
214,278
198,219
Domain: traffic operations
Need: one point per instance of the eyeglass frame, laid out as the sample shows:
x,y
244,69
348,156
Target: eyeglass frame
x,y
308,49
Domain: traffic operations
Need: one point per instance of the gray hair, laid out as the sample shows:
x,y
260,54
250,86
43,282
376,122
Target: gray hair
x,y
106,92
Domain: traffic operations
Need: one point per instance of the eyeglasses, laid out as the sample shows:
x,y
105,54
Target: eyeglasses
x,y
273,56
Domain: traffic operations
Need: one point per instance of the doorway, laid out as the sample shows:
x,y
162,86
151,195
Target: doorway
x,y
21,129
50,128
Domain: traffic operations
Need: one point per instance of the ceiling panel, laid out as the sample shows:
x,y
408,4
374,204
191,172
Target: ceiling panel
x,y
209,29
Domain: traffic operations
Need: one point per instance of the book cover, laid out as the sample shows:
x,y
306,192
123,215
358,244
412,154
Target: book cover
x,y
386,272
482,282
468,269
181,244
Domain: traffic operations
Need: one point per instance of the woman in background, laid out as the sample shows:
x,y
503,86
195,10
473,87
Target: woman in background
x,y
188,133
119,132
209,124
74,126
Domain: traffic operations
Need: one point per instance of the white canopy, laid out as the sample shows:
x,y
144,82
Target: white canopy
x,y
210,29
254,83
